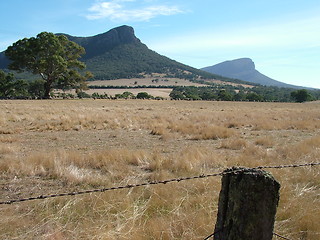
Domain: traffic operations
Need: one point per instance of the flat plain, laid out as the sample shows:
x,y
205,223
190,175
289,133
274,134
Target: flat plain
x,y
59,146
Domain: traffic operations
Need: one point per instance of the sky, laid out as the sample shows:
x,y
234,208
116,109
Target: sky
x,y
282,37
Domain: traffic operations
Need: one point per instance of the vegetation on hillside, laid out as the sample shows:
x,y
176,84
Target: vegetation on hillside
x,y
131,60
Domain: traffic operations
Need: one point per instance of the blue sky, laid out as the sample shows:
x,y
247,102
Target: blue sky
x,y
282,37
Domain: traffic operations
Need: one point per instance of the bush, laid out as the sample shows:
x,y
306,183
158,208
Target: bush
x,y
144,95
99,96
83,95
10,87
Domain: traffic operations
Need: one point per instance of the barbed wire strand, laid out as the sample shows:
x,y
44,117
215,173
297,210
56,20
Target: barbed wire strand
x,y
275,234
213,234
153,183
219,230
279,236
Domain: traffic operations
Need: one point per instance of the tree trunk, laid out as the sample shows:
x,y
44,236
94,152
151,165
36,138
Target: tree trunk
x,y
47,88
247,205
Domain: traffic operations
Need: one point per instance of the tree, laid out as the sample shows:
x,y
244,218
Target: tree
x,y
127,95
301,95
223,95
240,96
253,97
10,87
177,94
36,89
53,57
6,84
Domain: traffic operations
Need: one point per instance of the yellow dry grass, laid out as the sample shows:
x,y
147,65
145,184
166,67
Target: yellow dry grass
x,y
63,146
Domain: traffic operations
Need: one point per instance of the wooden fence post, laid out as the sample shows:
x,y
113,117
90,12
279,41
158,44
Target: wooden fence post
x,y
247,205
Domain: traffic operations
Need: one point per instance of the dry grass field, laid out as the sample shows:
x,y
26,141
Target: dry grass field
x,y
59,146
157,80
155,92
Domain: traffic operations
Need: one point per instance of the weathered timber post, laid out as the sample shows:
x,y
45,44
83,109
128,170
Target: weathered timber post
x,y
247,205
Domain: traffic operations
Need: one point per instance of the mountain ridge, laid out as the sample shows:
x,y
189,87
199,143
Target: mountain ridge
x,y
105,41
118,53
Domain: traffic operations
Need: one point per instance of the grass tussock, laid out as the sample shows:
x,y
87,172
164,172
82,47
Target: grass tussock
x,y
265,141
5,149
67,146
234,144
306,150
201,129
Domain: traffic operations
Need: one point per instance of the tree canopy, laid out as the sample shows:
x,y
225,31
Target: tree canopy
x,y
301,95
143,95
53,57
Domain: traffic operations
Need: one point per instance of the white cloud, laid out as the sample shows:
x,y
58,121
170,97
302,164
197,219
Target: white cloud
x,y
118,10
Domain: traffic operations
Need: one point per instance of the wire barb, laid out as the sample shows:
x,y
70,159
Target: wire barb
x,y
279,236
152,183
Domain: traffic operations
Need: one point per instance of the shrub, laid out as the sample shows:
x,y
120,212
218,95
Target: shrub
x,y
144,95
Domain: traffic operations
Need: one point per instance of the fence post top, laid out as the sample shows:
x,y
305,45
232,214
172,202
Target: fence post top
x,y
246,170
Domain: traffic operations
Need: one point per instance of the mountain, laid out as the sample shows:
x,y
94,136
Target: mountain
x,y
102,43
118,53
244,69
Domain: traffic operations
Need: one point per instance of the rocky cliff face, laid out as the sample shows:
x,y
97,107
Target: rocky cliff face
x,y
101,43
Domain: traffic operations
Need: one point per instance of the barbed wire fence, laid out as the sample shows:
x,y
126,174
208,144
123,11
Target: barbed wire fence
x,y
129,186
151,183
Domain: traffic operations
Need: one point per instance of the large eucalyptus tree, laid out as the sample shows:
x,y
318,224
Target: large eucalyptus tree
x,y
53,57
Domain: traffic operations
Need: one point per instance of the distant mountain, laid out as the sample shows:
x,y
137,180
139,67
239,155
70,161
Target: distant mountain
x,y
118,53
244,69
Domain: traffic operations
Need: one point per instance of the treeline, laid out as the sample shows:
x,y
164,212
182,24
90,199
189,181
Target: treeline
x,y
256,94
12,88
124,95
127,87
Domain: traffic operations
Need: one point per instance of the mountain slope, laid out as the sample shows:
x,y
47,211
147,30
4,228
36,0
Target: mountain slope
x,y
118,53
244,69
3,61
